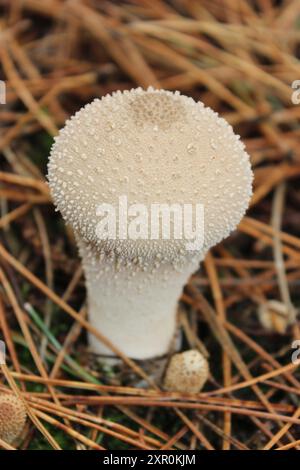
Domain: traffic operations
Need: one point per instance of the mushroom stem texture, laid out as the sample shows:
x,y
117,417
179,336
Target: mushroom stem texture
x,y
154,148
140,316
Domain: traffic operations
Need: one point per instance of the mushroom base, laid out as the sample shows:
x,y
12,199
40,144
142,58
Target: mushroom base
x,y
134,310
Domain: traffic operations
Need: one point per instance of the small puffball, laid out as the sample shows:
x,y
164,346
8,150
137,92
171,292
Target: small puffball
x,y
12,417
187,372
275,316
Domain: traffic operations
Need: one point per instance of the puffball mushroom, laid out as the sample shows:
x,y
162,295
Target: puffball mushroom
x,y
276,316
152,146
12,417
187,372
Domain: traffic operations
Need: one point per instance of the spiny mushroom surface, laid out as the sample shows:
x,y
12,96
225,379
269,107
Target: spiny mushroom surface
x,y
12,417
187,372
151,146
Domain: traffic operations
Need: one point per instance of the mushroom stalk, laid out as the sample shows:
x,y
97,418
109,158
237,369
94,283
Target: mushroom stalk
x,y
137,315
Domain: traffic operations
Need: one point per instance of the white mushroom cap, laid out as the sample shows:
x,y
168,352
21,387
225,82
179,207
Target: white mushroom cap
x,y
12,417
154,146
187,372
